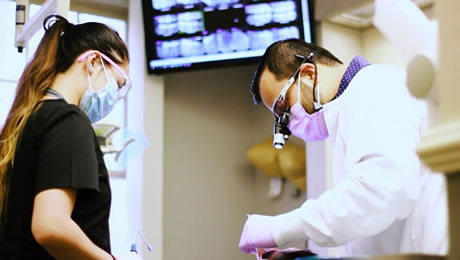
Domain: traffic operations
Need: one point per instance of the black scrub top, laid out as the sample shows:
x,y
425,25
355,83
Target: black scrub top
x,y
57,149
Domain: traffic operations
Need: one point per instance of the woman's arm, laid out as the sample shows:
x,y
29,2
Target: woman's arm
x,y
54,229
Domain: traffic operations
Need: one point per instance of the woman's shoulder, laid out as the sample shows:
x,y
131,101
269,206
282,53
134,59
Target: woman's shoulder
x,y
58,111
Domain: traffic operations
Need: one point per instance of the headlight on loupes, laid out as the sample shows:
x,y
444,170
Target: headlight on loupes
x,y
281,131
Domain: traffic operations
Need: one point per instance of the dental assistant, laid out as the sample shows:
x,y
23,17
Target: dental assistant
x,y
383,200
55,194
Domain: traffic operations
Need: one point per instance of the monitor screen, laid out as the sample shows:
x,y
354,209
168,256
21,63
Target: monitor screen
x,y
197,34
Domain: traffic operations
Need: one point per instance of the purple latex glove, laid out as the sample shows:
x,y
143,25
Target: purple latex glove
x,y
257,233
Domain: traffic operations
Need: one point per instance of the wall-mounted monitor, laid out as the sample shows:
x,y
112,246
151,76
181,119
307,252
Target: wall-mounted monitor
x,y
197,34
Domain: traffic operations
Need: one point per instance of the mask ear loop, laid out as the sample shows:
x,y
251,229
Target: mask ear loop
x,y
316,94
89,78
317,104
90,85
298,88
107,74
103,66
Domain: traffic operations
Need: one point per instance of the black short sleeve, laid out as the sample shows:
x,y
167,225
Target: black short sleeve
x,y
66,155
57,149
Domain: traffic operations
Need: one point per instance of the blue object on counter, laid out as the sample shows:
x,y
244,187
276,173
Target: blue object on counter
x,y
133,248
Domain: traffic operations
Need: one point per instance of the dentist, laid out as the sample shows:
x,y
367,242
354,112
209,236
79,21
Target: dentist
x,y
383,200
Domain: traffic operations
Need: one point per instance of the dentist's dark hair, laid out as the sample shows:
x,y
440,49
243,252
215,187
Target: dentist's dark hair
x,y
279,58
62,43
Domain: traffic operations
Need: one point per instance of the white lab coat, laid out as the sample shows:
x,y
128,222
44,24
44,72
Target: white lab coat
x,y
383,200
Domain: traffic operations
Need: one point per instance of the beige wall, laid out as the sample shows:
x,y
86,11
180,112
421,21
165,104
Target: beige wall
x,y
209,185
378,50
207,181
342,41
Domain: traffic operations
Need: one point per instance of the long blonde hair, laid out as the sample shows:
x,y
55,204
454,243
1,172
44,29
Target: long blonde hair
x,y
58,49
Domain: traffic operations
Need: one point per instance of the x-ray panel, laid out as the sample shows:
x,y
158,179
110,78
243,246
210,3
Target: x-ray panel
x,y
192,34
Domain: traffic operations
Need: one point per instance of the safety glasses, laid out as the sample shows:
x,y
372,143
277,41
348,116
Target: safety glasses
x,y
280,104
123,88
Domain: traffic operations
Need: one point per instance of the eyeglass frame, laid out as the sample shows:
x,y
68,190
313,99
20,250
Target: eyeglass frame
x,y
282,96
124,89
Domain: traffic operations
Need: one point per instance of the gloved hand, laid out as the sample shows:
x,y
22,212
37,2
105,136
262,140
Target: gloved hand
x,y
257,233
128,256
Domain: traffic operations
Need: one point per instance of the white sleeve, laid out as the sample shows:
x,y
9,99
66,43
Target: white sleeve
x,y
359,206
381,184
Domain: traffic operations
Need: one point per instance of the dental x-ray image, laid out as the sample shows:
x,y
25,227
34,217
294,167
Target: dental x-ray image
x,y
283,12
163,4
188,2
190,22
219,2
168,4
275,12
166,25
168,49
259,14
223,41
191,47
233,40
285,33
260,39
210,44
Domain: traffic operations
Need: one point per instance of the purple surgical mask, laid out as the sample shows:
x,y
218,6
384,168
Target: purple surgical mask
x,y
309,127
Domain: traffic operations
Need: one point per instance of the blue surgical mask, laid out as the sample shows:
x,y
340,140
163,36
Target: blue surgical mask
x,y
98,104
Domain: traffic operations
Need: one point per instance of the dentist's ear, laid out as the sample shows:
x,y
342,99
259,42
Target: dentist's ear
x,y
309,70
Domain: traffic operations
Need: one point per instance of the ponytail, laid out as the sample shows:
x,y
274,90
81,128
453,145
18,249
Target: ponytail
x,y
38,76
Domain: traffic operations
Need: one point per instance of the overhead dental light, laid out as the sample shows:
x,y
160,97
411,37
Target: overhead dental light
x,y
407,27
